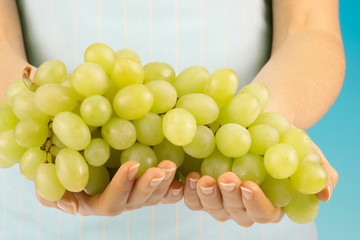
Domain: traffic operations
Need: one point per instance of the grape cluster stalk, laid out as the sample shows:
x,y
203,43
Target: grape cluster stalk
x,y
72,131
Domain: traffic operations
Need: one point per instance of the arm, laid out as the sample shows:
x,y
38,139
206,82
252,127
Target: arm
x,y
304,74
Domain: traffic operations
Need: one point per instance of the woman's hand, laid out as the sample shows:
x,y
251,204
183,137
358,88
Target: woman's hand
x,y
125,192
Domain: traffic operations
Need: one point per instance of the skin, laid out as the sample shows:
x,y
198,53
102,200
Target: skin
x,y
304,75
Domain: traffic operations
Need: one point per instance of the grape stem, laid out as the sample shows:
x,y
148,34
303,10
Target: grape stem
x,y
29,83
48,145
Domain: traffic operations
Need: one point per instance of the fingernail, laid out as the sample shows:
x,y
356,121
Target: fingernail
x,y
156,181
168,173
228,187
193,183
207,191
176,192
132,171
67,206
247,194
330,190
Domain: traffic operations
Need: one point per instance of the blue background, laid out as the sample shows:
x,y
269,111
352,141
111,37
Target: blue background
x,y
337,135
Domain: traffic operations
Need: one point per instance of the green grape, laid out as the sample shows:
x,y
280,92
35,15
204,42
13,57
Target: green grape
x,y
47,183
127,71
281,160
126,52
114,159
190,164
302,208
99,179
309,178
5,163
298,139
90,79
274,119
51,71
142,154
214,126
149,129
258,90
72,170
119,133
168,151
54,98
278,191
158,71
31,132
179,126
101,54
232,140
165,95
15,88
243,109
10,150
71,130
66,82
203,143
97,152
133,102
24,107
8,120
215,165
111,91
96,110
249,167
3,105
312,156
262,137
202,107
191,80
222,85
30,161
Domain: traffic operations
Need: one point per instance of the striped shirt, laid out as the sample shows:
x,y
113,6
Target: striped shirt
x,y
183,33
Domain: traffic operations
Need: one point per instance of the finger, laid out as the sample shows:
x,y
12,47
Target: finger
x,y
229,185
258,206
191,197
174,194
169,168
210,198
68,203
144,186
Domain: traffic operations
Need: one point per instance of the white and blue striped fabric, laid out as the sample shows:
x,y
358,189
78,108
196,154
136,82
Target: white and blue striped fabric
x,y
183,33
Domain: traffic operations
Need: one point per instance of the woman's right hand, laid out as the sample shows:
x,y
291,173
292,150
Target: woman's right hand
x,y
125,192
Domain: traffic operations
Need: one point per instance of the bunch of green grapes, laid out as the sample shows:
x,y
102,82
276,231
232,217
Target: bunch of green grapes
x,y
72,131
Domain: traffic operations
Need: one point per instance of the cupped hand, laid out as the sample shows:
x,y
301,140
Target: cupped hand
x,y
124,192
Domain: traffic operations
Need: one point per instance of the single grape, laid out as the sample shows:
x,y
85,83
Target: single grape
x,y
10,150
119,133
31,132
298,139
51,71
302,208
47,183
312,156
165,95
101,54
216,164
149,129
274,119
142,154
281,160
179,126
191,80
222,85
158,71
232,140
24,107
30,161
111,91
5,163
249,167
127,71
278,191
243,109
133,101
66,82
72,170
126,52
97,152
263,136
202,107
71,130
8,120
99,179
90,79
168,151
15,88
203,143
258,90
96,110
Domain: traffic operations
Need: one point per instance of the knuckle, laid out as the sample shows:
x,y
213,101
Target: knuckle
x,y
236,211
